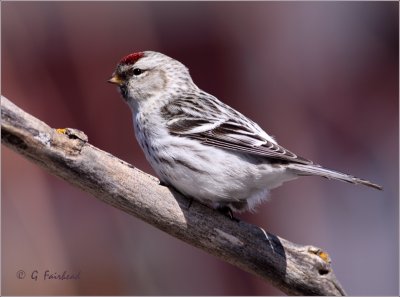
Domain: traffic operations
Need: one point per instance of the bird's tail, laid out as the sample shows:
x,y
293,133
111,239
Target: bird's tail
x,y
302,169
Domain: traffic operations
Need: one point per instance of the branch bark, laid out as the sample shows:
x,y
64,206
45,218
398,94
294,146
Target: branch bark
x,y
295,269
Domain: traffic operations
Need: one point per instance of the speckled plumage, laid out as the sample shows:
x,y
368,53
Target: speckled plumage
x,y
205,149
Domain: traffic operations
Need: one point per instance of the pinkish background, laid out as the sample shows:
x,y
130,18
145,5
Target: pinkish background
x,y
321,77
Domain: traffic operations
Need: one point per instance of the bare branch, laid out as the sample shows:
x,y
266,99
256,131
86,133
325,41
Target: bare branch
x,y
295,269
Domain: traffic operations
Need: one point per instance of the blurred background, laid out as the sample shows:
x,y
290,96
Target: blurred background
x,y
322,77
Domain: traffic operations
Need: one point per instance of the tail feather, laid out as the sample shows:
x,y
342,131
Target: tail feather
x,y
302,169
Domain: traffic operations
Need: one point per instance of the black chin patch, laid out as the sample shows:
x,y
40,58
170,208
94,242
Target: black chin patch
x,y
124,91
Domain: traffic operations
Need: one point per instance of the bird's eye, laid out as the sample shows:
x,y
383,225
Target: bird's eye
x,y
137,71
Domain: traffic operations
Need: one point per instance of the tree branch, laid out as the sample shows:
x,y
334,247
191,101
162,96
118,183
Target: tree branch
x,y
295,269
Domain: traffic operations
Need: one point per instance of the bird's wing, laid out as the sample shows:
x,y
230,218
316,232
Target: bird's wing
x,y
216,124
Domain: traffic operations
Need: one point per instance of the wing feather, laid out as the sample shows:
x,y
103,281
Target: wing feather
x,y
231,130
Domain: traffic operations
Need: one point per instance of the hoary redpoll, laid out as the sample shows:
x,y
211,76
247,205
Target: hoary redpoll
x,y
200,146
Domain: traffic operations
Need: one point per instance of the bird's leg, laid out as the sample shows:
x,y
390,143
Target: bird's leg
x,y
163,184
190,201
176,190
227,211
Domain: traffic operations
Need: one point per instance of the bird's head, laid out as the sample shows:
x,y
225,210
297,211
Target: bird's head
x,y
145,75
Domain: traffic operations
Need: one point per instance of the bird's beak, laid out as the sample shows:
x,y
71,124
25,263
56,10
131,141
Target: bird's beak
x,y
115,79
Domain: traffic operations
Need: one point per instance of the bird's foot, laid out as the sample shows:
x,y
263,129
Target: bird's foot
x,y
227,211
163,184
190,202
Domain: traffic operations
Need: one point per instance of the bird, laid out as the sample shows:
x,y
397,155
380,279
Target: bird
x,y
200,146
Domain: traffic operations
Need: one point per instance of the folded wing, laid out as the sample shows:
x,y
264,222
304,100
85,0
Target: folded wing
x,y
232,131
